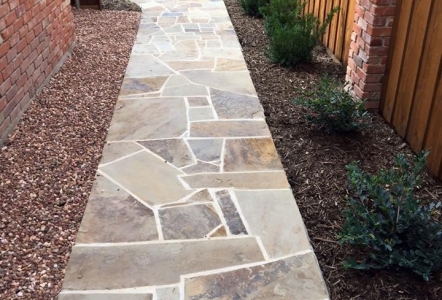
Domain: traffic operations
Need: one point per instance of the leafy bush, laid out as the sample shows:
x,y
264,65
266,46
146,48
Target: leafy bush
x,y
252,7
389,223
333,107
292,34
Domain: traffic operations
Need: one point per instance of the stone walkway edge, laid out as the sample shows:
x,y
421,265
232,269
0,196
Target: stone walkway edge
x,y
190,200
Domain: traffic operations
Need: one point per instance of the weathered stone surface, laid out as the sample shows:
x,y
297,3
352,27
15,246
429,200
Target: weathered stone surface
x,y
149,119
251,155
201,167
294,278
236,106
113,151
198,101
201,113
230,212
184,50
106,296
200,196
237,82
146,65
168,293
220,232
145,49
226,64
188,222
112,215
258,180
147,177
185,90
275,218
136,86
175,151
229,129
206,149
117,267
190,65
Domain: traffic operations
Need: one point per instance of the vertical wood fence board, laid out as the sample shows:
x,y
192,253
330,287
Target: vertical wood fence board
x,y
411,62
395,66
427,79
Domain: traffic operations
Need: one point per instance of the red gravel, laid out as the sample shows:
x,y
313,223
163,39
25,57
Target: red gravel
x,y
48,164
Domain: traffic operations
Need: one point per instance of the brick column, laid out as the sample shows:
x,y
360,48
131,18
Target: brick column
x,y
370,41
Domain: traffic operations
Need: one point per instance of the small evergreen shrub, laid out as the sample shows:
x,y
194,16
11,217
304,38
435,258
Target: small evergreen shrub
x,y
253,7
292,34
389,224
333,108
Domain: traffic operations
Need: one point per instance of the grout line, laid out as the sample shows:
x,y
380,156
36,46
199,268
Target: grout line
x,y
215,229
156,242
223,152
158,223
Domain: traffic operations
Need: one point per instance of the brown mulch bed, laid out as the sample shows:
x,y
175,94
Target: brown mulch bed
x,y
47,166
315,165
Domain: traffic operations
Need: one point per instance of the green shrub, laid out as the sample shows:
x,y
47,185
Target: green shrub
x,y
387,221
252,7
292,34
333,108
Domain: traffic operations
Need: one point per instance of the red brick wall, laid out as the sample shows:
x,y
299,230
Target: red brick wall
x,y
370,41
34,37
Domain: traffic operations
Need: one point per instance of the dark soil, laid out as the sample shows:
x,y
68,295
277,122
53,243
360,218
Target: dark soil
x,y
315,164
47,165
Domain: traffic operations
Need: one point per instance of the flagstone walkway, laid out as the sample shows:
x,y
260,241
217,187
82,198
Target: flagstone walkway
x,y
190,200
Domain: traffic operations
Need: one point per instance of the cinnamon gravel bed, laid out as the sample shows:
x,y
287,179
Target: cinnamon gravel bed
x,y
47,166
315,165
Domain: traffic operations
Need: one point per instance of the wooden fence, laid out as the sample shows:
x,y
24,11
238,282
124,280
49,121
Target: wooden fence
x,y
412,92
338,34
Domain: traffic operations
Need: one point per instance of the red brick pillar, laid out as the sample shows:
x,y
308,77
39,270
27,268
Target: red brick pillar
x,y
368,53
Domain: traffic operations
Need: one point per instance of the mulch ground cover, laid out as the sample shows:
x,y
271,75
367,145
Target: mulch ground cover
x,y
315,164
47,166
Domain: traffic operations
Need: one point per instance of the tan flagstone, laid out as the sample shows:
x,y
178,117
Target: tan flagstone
x,y
146,65
206,149
133,86
220,232
200,113
229,129
190,65
168,293
147,177
293,278
198,101
275,218
112,215
106,296
237,82
230,105
149,119
201,167
175,151
188,222
256,180
226,64
186,90
113,151
138,265
253,154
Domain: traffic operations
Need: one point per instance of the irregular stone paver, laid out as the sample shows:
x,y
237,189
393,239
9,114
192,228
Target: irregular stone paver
x,y
118,267
294,278
190,194
230,213
188,222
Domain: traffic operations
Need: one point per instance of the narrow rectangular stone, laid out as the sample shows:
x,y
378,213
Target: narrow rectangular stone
x,y
230,212
229,129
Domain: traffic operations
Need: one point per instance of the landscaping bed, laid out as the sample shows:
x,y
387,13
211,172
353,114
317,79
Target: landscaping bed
x,y
47,165
315,164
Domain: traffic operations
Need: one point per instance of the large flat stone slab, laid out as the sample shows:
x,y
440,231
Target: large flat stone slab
x,y
106,296
150,118
257,180
148,178
230,105
112,215
274,216
229,129
113,151
118,267
293,278
175,151
251,155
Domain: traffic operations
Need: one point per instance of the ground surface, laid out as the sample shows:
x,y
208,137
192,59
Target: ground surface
x,y
48,164
315,164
